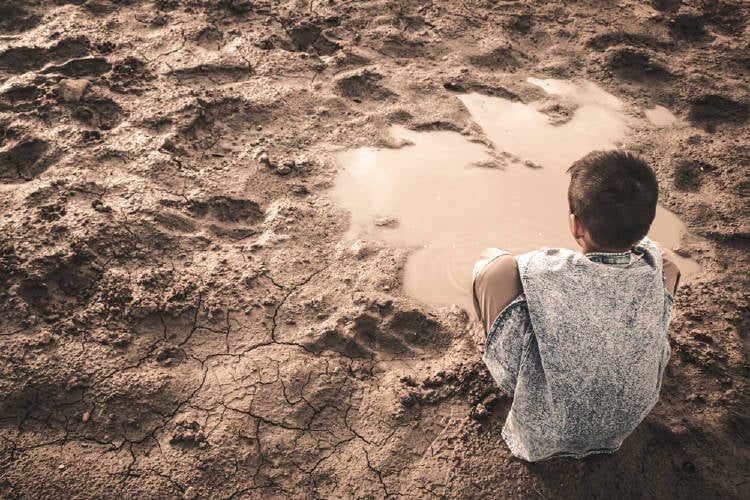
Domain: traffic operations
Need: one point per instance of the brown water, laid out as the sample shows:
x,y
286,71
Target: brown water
x,y
452,197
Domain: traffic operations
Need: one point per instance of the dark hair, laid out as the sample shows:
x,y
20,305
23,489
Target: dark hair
x,y
614,195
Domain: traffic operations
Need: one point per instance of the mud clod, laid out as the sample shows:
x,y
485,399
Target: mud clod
x,y
71,90
188,433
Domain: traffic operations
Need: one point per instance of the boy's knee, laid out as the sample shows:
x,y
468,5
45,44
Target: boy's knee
x,y
496,285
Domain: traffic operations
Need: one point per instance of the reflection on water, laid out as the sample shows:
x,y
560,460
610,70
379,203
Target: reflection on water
x,y
518,128
449,202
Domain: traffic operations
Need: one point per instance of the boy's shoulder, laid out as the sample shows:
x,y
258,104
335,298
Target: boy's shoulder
x,y
553,258
546,258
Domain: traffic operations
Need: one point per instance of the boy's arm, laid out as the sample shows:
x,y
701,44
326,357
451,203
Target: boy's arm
x,y
496,284
671,271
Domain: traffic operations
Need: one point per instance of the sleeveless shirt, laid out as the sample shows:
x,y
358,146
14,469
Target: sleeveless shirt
x,y
593,345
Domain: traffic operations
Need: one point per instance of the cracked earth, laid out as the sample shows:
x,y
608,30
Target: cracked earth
x,y
181,314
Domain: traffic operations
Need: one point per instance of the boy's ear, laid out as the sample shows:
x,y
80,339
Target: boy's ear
x,y
577,228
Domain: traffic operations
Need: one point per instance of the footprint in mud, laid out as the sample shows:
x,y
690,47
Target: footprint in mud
x,y
468,87
228,217
710,110
307,36
666,5
333,340
212,73
69,281
689,175
226,209
76,68
689,27
129,75
21,98
22,59
404,334
24,161
504,58
174,221
613,38
200,124
630,63
362,84
14,18
210,38
401,45
418,329
8,132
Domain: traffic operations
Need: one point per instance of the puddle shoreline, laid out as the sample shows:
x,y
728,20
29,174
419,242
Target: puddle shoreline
x,y
449,197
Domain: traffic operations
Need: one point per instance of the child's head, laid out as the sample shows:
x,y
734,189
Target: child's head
x,y
613,196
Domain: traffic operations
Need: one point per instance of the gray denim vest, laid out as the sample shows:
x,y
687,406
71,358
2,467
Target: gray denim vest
x,y
594,347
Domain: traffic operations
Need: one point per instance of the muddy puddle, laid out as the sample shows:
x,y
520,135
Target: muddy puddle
x,y
451,197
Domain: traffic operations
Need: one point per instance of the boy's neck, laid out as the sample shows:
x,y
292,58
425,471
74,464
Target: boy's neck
x,y
586,248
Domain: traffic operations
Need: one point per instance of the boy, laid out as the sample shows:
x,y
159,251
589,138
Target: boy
x,y
580,338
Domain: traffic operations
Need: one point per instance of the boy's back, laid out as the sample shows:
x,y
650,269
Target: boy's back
x,y
583,373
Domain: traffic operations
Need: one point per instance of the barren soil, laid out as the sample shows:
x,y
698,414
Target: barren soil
x,y
181,314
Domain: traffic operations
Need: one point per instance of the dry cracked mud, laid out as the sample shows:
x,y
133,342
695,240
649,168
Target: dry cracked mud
x,y
181,315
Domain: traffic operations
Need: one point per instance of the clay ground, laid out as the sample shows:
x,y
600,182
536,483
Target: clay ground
x,y
182,315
